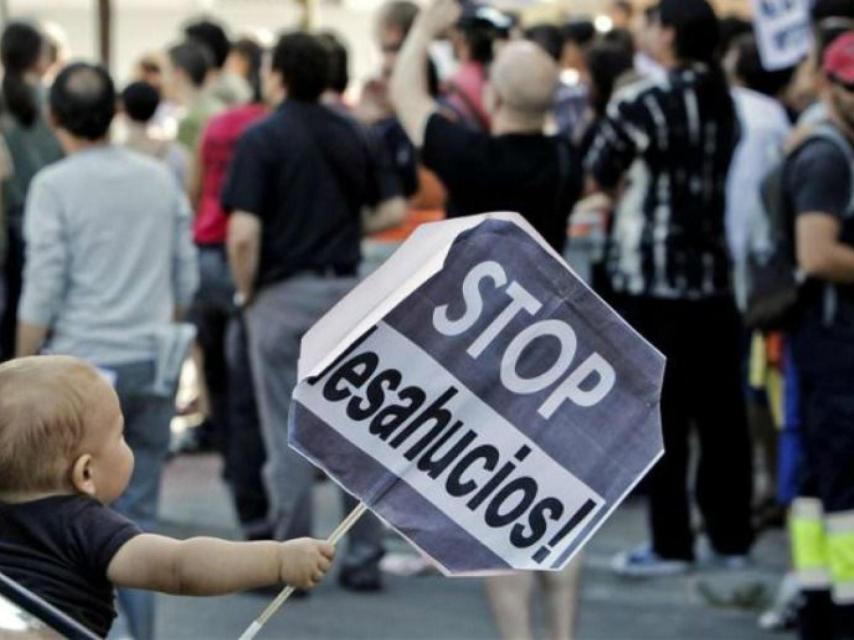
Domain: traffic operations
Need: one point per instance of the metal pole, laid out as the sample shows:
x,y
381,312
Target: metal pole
x,y
105,31
307,21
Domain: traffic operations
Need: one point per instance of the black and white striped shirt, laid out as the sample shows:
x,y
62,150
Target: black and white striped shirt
x,y
672,140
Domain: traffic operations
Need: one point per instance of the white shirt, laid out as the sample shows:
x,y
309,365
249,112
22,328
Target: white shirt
x,y
764,129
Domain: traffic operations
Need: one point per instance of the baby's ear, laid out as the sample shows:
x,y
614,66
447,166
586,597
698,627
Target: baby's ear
x,y
81,475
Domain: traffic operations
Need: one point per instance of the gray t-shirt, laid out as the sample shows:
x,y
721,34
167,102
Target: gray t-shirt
x,y
109,255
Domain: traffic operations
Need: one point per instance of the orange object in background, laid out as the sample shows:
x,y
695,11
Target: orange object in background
x,y
427,205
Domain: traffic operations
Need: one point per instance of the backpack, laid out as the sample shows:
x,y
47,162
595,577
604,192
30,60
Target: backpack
x,y
774,280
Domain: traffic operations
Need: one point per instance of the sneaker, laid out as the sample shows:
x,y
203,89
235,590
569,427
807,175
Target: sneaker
x,y
643,562
783,613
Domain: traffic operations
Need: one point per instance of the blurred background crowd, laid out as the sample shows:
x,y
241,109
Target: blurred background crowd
x,y
214,191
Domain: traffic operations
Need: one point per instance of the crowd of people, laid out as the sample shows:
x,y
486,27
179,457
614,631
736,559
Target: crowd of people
x,y
231,193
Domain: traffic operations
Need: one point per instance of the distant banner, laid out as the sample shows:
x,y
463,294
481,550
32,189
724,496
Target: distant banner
x,y
782,31
486,404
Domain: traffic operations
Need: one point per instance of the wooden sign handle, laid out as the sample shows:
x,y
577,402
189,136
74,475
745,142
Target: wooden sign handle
x,y
340,531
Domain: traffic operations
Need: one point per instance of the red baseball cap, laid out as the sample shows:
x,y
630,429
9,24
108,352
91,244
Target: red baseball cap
x,y
839,59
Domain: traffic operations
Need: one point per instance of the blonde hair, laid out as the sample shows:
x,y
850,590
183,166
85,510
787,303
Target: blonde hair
x,y
43,403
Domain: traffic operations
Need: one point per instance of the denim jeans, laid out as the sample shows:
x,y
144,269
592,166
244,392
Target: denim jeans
x,y
237,436
211,312
147,418
245,453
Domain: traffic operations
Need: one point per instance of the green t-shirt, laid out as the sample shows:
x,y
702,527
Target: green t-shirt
x,y
192,125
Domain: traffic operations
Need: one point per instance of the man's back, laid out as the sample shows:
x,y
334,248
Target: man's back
x,y
535,175
673,138
102,228
306,172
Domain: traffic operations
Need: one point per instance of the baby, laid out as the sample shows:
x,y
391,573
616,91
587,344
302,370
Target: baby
x,y
63,458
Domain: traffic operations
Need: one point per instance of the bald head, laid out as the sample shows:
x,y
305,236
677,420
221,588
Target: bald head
x,y
525,79
43,411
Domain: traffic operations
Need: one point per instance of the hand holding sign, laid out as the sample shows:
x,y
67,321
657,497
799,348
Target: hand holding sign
x,y
480,398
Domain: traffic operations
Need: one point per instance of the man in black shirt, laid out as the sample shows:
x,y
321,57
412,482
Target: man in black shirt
x,y
517,168
296,189
819,185
668,143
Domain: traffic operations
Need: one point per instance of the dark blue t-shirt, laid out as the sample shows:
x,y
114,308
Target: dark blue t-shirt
x,y
59,548
306,172
818,180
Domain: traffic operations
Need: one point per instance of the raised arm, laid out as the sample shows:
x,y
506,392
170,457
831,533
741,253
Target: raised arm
x,y
209,566
409,89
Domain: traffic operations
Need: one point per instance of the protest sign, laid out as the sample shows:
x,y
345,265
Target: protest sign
x,y
480,398
782,32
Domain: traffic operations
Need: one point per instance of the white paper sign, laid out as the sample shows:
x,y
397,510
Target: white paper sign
x,y
480,398
782,31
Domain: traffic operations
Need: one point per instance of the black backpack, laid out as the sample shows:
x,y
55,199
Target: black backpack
x,y
774,279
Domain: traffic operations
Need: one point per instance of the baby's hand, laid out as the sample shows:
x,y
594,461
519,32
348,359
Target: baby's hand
x,y
304,561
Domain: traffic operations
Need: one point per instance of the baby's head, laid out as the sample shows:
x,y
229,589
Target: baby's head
x,y
61,430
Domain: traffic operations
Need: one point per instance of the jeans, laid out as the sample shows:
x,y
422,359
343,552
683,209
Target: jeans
x,y
245,453
147,418
211,313
702,388
823,541
222,338
277,320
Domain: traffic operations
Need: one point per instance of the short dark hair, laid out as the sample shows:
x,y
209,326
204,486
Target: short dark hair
x,y
140,101
398,14
480,25
193,59
621,38
211,35
20,48
303,62
697,28
480,40
748,68
339,61
83,100
606,62
548,37
253,52
731,28
579,32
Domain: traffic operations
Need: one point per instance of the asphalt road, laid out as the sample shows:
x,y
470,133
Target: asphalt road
x,y
434,607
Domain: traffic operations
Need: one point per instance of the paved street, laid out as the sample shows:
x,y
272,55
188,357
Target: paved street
x,y
433,607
